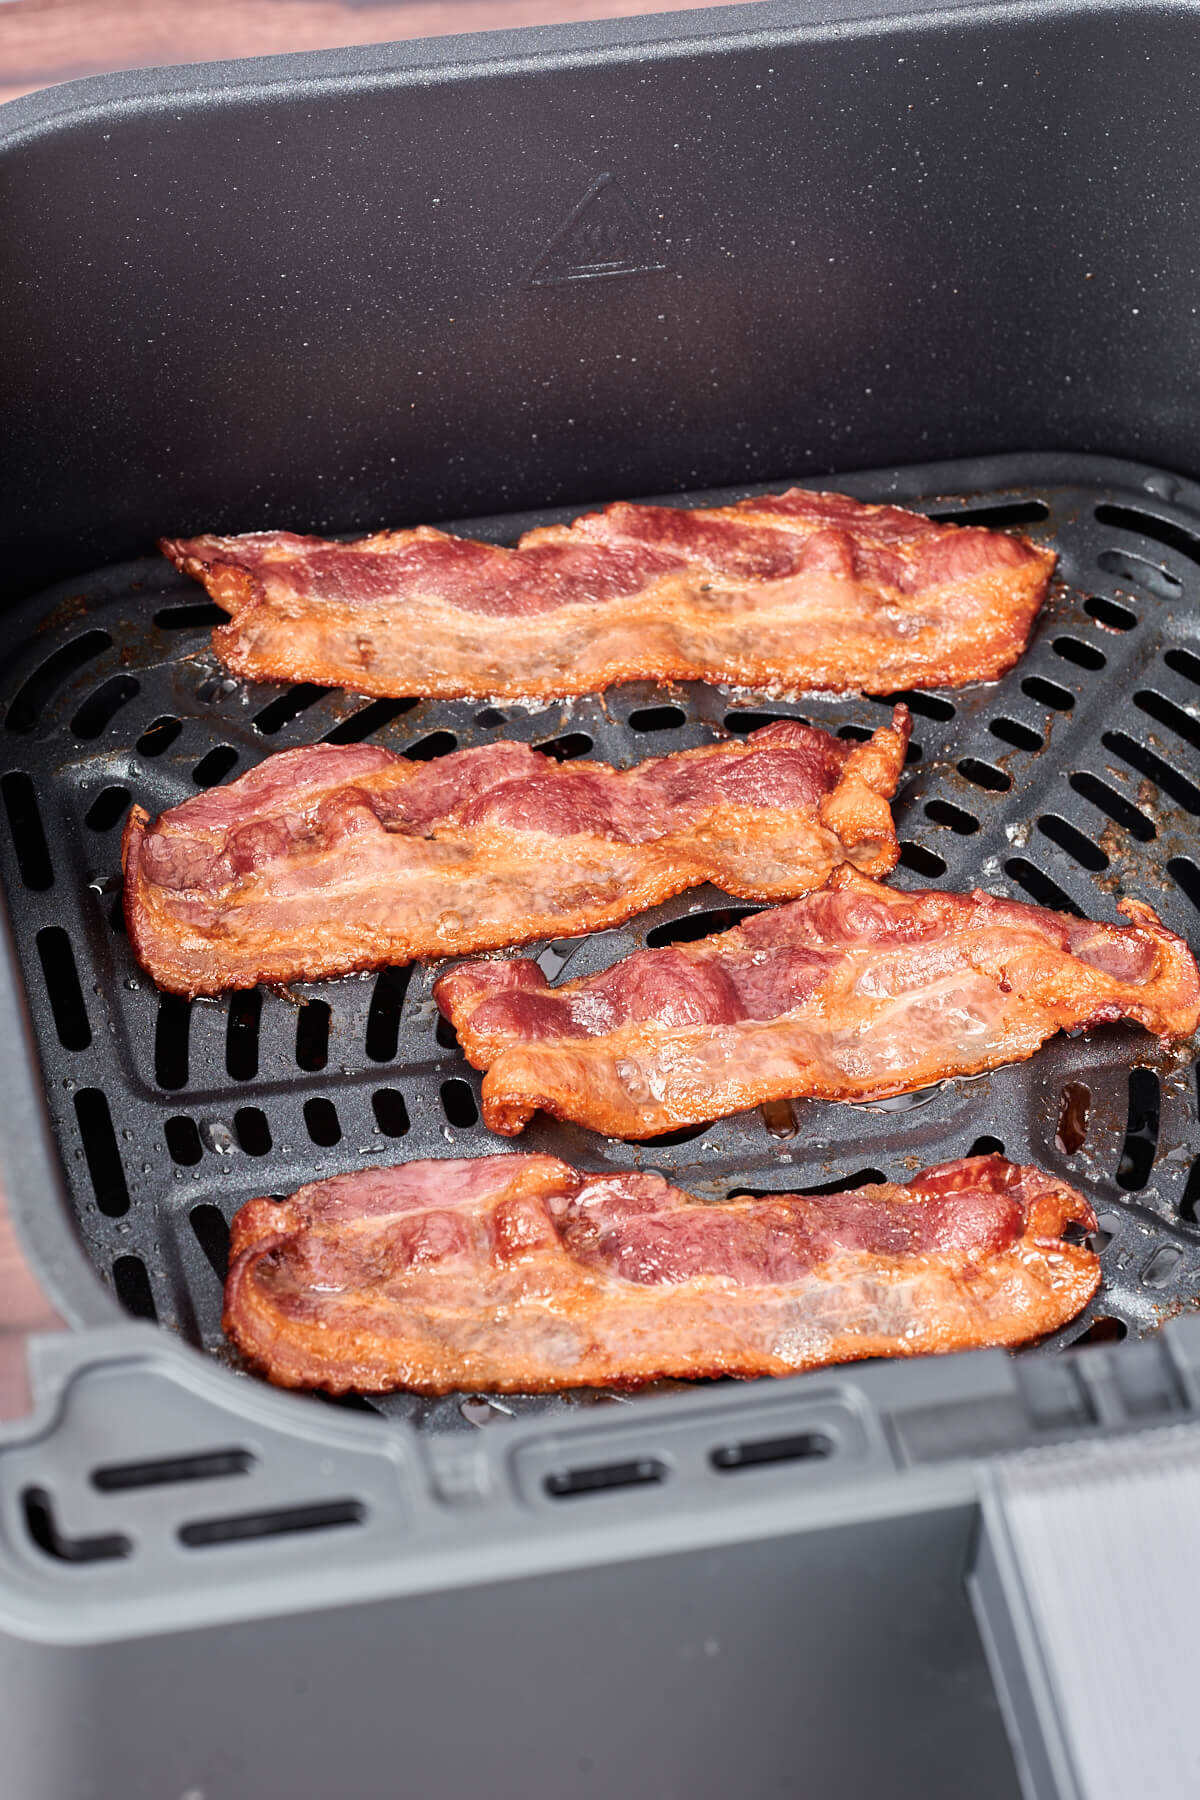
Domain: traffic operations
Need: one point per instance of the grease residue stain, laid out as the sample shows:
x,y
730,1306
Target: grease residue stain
x,y
1073,1110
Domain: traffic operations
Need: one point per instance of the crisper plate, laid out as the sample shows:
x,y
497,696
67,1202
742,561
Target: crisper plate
x,y
1073,781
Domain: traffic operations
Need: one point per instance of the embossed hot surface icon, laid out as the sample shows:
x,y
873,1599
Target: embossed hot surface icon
x,y
522,1274
856,992
788,592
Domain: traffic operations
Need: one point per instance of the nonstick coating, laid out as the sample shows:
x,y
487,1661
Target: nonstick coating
x,y
1073,781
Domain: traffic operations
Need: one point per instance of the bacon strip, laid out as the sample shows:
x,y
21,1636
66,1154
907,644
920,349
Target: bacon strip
x,y
325,860
520,1274
854,993
797,590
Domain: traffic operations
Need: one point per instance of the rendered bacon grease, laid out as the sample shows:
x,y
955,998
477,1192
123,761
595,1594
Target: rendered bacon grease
x,y
790,591
329,859
520,1274
857,992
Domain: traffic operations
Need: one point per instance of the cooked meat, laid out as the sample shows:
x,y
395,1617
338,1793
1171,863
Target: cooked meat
x,y
520,1274
854,993
798,590
329,859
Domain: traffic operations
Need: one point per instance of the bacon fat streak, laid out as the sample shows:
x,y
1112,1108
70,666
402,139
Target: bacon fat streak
x,y
520,1274
853,993
791,591
325,860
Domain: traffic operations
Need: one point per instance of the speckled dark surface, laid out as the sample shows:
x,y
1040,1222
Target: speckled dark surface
x,y
1039,786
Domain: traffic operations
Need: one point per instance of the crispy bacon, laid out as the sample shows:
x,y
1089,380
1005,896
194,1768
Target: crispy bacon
x,y
797,590
520,1274
326,860
854,993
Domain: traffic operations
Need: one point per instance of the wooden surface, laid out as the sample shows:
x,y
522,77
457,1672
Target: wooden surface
x,y
23,1308
44,41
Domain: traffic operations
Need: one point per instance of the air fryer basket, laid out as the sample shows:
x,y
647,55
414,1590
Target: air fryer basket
x,y
1074,780
463,277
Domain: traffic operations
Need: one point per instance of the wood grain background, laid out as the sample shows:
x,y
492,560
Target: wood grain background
x,y
44,41
23,1308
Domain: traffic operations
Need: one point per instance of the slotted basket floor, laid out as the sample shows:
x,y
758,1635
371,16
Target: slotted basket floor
x,y
1073,781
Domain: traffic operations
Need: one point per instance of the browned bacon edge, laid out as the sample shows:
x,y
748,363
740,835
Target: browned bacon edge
x,y
857,992
790,591
521,1274
330,859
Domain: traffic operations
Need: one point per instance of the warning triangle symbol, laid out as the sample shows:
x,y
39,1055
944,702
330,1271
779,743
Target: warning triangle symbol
x,y
603,235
